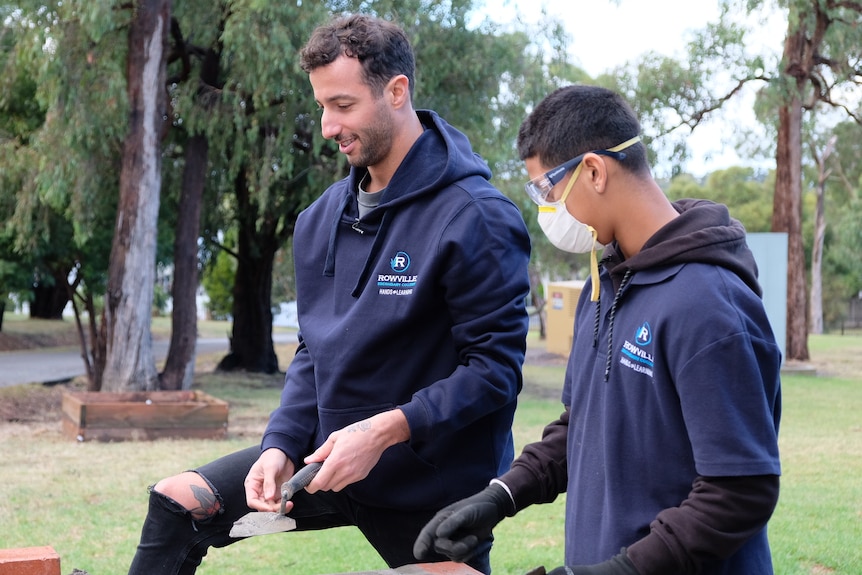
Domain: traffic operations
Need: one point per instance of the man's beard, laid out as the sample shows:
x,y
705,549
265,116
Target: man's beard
x,y
375,141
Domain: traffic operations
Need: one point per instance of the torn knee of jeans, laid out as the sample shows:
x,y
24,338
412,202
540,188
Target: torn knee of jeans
x,y
209,503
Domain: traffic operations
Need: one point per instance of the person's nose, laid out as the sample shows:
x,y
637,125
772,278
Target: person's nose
x,y
329,128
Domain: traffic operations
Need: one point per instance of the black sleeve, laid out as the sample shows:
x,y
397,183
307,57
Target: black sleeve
x,y
718,517
539,474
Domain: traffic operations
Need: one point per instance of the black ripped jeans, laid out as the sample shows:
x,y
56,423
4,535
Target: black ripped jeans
x,y
172,543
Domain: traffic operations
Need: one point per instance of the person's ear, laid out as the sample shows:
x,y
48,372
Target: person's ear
x,y
595,172
398,90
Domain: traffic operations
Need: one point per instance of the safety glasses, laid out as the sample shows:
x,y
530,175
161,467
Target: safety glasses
x,y
539,188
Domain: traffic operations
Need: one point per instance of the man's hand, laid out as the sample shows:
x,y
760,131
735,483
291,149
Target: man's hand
x,y
616,565
350,454
264,479
457,530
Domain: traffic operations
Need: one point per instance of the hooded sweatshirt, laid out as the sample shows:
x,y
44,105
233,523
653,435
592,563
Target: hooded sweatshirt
x,y
668,445
420,306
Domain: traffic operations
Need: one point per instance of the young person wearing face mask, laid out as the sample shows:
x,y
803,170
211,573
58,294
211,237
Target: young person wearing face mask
x,y
667,448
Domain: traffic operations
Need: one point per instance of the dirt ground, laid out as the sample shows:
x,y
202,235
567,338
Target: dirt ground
x,y
33,407
31,410
17,341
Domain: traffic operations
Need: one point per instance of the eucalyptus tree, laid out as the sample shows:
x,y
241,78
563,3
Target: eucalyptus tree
x,y
243,137
93,167
56,152
821,159
39,265
842,235
243,121
818,70
129,359
267,159
20,115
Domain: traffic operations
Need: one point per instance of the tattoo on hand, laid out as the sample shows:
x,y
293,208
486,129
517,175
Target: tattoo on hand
x,y
358,426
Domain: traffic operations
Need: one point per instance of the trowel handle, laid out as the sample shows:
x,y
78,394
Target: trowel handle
x,y
299,480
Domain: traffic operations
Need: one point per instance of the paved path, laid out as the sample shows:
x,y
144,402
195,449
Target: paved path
x,y
60,364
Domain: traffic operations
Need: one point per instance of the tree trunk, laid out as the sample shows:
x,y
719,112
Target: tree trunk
x,y
50,297
180,364
538,301
251,336
787,217
787,201
129,362
82,340
98,346
816,267
819,237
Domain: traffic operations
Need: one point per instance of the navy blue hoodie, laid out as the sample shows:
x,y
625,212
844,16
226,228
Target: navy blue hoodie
x,y
420,305
669,442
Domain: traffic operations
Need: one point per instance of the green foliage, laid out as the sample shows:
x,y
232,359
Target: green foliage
x,y
283,280
82,83
747,194
61,67
842,251
14,278
843,262
160,299
256,109
814,72
673,96
234,78
218,282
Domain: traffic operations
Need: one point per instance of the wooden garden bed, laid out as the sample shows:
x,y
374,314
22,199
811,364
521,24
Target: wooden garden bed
x,y
146,415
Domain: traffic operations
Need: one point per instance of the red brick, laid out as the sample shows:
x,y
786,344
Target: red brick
x,y
29,561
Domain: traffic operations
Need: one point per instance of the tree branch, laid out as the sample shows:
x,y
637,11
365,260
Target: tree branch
x,y
694,119
214,241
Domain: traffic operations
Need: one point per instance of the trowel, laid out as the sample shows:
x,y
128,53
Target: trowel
x,y
266,522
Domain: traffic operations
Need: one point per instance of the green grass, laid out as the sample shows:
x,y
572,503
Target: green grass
x,y
817,527
87,500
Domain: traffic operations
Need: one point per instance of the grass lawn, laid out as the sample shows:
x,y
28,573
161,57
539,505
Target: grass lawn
x,y
87,500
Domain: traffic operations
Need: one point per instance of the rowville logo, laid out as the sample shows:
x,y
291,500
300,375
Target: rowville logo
x,y
399,282
634,355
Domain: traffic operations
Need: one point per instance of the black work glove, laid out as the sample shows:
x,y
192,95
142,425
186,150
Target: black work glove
x,y
616,565
457,529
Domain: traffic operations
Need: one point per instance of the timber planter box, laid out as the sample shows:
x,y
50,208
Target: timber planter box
x,y
144,415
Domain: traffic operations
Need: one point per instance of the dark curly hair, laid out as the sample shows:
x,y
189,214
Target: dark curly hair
x,y
380,46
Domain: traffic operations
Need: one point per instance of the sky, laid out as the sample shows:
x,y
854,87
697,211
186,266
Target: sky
x,y
605,34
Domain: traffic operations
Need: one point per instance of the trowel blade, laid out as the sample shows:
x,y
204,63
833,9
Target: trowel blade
x,y
262,523
266,522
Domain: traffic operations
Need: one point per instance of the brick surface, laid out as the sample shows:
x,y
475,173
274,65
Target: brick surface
x,y
29,561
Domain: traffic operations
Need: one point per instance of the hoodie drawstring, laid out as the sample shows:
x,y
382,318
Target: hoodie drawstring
x,y
372,255
596,321
623,284
329,266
